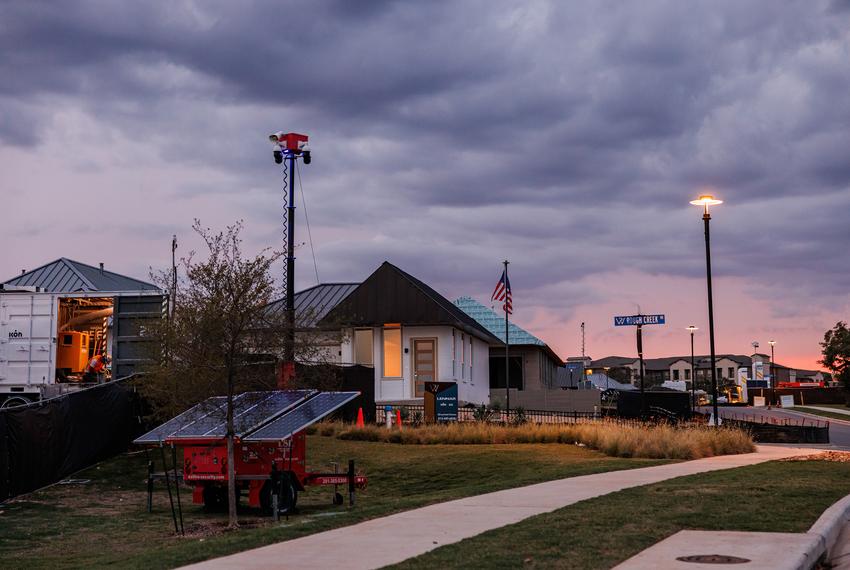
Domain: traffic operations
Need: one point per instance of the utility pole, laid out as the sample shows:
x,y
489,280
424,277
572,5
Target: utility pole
x,y
640,372
173,272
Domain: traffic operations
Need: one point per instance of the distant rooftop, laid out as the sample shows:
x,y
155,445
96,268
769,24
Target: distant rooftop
x,y
68,276
495,323
314,303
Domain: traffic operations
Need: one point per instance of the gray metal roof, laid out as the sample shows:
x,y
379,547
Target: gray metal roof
x,y
313,304
68,276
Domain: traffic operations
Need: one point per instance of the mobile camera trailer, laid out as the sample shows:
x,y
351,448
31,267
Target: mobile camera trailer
x,y
270,471
270,461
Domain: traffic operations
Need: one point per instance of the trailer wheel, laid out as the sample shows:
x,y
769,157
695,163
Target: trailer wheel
x,y
287,495
14,402
215,498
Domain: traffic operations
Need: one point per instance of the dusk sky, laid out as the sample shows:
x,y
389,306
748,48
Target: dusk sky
x,y
567,137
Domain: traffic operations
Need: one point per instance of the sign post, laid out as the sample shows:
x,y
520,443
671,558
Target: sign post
x,y
638,321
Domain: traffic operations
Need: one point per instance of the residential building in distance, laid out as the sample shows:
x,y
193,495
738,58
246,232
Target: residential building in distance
x,y
678,368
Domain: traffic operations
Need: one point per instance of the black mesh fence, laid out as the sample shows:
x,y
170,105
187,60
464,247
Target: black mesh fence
x,y
45,442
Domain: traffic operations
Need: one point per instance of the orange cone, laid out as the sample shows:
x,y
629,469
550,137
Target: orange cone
x,y
398,418
360,422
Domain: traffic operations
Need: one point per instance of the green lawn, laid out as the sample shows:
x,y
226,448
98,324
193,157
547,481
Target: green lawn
x,y
602,532
822,413
105,522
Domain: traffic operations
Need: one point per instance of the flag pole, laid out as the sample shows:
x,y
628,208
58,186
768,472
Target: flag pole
x,y
507,349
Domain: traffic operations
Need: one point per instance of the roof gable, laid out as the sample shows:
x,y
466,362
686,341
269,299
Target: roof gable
x,y
390,295
68,276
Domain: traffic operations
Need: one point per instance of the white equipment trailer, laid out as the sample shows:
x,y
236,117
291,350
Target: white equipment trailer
x,y
37,329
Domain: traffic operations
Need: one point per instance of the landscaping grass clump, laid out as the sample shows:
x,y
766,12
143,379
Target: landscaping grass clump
x,y
661,441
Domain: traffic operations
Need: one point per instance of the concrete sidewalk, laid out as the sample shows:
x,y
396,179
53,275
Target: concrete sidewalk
x,y
388,540
833,410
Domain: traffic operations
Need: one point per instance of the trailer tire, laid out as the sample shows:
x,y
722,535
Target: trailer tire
x,y
15,402
215,498
287,495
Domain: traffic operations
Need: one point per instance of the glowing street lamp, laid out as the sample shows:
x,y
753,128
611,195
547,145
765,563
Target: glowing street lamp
x,y
705,201
692,329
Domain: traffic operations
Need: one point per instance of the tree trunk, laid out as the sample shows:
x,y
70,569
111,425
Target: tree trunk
x,y
232,521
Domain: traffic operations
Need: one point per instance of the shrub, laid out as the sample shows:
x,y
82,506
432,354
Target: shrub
x,y
519,416
481,413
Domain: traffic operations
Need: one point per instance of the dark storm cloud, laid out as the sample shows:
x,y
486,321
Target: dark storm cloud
x,y
450,135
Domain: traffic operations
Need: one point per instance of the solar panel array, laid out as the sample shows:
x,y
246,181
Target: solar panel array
x,y
307,413
209,418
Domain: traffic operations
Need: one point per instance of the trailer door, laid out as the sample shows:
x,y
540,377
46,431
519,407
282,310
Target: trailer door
x,y
129,346
27,339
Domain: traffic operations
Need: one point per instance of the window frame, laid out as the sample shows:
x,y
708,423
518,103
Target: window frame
x,y
384,374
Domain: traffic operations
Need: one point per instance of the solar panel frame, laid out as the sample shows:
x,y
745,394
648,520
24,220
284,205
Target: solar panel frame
x,y
175,423
304,415
207,420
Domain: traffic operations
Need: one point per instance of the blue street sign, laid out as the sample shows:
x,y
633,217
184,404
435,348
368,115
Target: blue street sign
x,y
633,320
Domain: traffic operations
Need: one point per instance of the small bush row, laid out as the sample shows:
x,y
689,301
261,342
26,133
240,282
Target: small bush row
x,y
617,440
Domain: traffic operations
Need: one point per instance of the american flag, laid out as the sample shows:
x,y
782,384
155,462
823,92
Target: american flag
x,y
503,293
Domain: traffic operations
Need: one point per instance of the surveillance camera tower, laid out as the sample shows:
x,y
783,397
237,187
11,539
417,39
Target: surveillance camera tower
x,y
287,148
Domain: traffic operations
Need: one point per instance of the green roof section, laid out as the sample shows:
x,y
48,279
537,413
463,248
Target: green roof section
x,y
495,322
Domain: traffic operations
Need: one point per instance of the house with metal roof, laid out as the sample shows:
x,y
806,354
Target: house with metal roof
x,y
410,334
68,276
534,366
314,303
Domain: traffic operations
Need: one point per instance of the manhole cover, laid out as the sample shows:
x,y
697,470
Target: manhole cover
x,y
713,559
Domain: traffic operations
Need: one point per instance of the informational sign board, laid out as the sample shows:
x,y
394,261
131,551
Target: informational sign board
x,y
440,402
758,402
635,320
787,401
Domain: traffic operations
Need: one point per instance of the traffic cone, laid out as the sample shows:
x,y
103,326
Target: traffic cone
x,y
360,422
398,418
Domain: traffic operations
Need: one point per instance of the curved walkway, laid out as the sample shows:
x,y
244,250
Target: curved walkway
x,y
388,540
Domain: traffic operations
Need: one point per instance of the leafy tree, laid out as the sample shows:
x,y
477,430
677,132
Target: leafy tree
x,y
222,337
836,353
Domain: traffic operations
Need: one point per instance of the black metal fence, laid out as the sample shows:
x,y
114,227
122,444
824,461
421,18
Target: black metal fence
x,y
46,441
771,429
415,413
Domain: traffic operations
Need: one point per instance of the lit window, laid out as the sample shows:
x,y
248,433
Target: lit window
x,y
363,347
392,352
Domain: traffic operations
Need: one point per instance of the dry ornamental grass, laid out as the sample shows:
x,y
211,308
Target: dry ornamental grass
x,y
617,440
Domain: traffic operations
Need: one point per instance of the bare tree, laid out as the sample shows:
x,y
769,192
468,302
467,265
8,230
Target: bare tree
x,y
224,336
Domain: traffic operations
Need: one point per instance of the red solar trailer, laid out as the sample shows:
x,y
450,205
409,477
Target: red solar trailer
x,y
269,447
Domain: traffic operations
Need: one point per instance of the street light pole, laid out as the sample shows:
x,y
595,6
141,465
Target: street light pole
x,y
707,201
692,329
772,343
